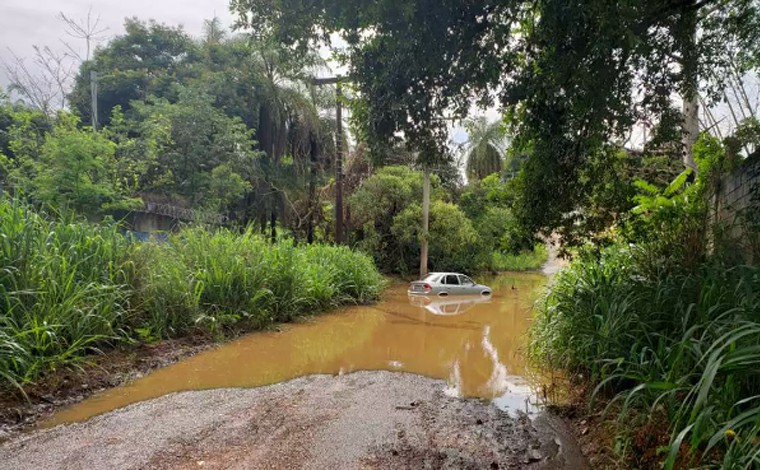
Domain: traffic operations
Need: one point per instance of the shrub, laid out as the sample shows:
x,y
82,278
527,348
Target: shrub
x,y
216,280
684,343
454,245
524,261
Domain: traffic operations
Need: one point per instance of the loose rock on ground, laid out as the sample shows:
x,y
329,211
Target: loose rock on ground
x,y
362,420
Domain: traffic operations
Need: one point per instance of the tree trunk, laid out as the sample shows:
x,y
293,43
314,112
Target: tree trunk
x,y
691,129
425,222
273,225
690,94
312,191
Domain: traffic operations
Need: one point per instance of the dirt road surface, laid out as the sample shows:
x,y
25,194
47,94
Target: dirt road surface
x,y
362,420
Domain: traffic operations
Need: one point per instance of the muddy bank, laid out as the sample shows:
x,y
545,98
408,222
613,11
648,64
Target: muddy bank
x,y
359,420
98,373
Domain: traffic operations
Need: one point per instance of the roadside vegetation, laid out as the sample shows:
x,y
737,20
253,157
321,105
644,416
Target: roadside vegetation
x,y
471,230
526,260
664,325
618,121
71,288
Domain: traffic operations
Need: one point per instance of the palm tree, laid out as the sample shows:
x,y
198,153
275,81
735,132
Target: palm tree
x,y
289,125
485,148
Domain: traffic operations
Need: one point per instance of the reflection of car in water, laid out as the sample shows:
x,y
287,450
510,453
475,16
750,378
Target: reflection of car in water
x,y
448,305
444,284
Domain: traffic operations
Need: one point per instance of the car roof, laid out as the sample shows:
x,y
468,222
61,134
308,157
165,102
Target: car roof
x,y
440,274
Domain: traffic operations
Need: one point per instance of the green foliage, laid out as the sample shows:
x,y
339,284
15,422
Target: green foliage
x,y
187,141
68,288
454,245
527,260
672,220
22,134
574,76
664,327
680,342
386,211
217,280
226,187
374,207
485,148
63,291
147,60
75,172
490,205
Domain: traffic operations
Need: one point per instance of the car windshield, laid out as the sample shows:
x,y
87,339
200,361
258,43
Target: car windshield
x,y
432,277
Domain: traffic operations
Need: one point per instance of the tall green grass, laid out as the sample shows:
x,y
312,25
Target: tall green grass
x,y
64,288
684,345
528,260
220,279
68,288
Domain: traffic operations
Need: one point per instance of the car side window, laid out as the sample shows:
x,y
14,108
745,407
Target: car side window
x,y
452,280
466,281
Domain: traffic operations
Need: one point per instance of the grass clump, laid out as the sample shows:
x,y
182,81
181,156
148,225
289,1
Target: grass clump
x,y
64,288
68,288
524,261
222,279
678,343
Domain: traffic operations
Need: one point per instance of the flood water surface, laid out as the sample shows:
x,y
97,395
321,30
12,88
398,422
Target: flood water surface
x,y
473,343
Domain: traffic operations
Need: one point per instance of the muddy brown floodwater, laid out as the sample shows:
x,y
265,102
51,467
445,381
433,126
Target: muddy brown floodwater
x,y
474,344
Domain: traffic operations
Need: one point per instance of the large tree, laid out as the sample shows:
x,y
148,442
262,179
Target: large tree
x,y
576,76
147,60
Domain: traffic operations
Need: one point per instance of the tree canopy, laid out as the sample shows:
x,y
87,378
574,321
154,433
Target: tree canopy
x,y
573,76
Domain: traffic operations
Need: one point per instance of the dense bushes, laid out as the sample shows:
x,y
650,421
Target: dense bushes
x,y
666,327
64,287
478,233
67,288
453,245
680,344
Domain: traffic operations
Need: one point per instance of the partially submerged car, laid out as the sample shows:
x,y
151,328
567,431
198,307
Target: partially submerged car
x,y
444,284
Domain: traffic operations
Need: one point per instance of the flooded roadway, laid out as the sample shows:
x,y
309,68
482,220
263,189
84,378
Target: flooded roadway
x,y
474,344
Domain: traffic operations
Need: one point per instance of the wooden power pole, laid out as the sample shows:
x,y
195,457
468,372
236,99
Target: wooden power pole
x,y
425,222
339,229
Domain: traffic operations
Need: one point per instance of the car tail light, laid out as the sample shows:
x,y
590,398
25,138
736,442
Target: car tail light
x,y
427,287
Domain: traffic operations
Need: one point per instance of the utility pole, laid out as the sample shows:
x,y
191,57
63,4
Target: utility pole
x,y
338,153
94,96
339,165
425,221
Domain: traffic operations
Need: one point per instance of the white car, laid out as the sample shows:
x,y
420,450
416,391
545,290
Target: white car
x,y
444,284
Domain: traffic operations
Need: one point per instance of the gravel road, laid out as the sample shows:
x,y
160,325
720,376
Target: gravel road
x,y
362,420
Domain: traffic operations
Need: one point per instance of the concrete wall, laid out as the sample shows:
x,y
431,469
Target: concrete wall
x,y
145,222
736,205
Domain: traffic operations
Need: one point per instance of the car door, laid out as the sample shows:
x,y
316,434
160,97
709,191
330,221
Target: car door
x,y
467,285
452,284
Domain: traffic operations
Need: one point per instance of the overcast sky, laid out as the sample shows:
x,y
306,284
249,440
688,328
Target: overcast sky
x,y
25,23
